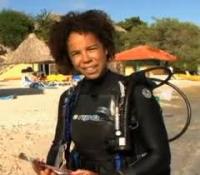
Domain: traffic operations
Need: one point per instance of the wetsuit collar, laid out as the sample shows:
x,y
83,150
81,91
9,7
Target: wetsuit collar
x,y
99,79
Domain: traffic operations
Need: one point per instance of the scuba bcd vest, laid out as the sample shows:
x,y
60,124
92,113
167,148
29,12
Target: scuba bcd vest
x,y
105,109
111,109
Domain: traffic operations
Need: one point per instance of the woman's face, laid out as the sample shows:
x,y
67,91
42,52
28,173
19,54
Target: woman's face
x,y
87,54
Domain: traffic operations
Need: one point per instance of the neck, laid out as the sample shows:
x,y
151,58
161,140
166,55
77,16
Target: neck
x,y
100,78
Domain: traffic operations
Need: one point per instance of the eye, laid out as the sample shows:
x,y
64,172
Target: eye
x,y
74,53
92,48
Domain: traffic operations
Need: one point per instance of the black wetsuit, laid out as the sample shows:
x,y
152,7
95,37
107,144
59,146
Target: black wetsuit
x,y
149,153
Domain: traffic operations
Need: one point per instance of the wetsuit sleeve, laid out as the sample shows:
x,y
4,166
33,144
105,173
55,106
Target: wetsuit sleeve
x,y
57,141
153,134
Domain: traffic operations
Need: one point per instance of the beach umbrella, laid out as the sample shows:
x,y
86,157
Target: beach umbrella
x,y
31,50
144,52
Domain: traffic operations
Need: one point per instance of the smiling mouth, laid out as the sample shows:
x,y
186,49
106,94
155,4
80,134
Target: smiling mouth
x,y
90,70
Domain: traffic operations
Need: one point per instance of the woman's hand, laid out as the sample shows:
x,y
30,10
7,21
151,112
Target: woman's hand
x,y
46,172
40,169
83,172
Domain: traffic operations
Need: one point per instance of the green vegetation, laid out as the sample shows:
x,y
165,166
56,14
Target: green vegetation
x,y
179,38
14,26
43,23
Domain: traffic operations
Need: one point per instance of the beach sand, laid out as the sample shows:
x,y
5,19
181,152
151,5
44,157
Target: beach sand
x,y
27,124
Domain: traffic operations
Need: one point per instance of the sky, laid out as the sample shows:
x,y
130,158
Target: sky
x,y
119,10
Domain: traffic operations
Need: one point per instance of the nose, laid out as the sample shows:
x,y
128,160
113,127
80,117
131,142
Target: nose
x,y
86,57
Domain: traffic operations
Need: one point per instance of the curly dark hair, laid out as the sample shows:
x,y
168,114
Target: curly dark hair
x,y
96,22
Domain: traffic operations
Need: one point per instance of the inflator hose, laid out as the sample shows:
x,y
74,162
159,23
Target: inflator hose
x,y
188,106
161,82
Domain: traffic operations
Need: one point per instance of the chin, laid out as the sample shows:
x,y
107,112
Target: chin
x,y
92,76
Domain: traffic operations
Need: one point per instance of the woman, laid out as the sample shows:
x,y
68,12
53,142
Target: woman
x,y
103,143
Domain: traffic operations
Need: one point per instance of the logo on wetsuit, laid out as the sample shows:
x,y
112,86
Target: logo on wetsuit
x,y
87,117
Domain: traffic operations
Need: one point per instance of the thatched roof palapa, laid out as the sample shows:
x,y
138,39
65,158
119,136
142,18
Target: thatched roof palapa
x,y
4,49
31,50
1,60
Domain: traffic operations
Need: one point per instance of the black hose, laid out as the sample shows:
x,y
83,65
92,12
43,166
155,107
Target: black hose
x,y
188,106
157,68
161,82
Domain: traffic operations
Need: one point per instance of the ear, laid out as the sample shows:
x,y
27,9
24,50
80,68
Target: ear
x,y
106,52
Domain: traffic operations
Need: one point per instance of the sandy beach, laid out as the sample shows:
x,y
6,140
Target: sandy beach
x,y
27,124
